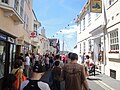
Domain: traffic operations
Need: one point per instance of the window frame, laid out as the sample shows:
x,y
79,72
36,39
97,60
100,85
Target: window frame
x,y
114,40
5,1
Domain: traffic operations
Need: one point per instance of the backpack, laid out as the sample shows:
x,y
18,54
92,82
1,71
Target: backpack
x,y
56,72
32,85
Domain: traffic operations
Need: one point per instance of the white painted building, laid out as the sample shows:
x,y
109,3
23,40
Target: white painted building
x,y
98,36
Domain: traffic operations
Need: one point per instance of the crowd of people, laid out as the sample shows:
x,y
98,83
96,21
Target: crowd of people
x,y
29,69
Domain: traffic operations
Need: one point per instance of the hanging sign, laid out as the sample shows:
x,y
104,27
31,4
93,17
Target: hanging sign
x,y
96,6
33,34
19,41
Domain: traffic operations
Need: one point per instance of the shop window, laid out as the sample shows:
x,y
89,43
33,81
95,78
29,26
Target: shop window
x,y
114,41
2,58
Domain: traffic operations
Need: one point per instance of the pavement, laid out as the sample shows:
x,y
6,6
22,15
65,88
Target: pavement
x,y
105,81
102,80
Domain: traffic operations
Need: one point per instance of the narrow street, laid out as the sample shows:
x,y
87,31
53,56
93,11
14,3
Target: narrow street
x,y
96,82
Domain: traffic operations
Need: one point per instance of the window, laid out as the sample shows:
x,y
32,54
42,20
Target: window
x,y
114,41
22,7
111,2
84,46
80,47
89,18
5,1
90,46
26,20
16,5
83,24
80,26
35,27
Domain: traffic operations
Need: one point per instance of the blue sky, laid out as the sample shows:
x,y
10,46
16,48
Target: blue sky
x,y
58,15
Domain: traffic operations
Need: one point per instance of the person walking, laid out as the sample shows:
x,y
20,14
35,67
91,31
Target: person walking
x,y
27,65
83,58
8,82
18,72
74,75
56,74
57,58
87,65
35,83
21,58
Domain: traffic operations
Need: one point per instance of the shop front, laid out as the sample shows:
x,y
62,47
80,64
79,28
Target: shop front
x,y
7,54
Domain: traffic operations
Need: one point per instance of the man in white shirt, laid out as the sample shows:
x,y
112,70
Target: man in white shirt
x,y
27,65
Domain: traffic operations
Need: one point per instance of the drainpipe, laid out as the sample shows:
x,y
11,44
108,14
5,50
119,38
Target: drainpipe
x,y
104,31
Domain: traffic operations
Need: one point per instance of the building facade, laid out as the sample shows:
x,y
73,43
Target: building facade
x,y
98,36
16,22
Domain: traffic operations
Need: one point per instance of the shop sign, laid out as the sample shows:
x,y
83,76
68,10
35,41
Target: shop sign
x,y
3,37
19,41
96,6
33,34
11,40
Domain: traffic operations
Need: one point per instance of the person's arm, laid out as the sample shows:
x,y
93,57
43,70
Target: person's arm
x,y
85,83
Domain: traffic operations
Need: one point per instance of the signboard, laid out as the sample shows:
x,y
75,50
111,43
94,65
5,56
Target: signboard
x,y
96,6
11,40
3,37
19,41
33,34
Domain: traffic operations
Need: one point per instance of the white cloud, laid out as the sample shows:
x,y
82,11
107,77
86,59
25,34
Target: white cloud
x,y
69,31
72,29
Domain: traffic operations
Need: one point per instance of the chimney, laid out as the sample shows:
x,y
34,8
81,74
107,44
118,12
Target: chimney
x,y
43,31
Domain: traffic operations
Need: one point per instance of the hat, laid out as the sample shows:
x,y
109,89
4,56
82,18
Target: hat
x,y
38,68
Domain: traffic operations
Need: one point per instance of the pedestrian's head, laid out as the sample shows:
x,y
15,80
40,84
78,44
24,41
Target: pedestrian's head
x,y
57,63
57,57
38,68
73,56
84,53
69,54
26,54
21,54
87,56
17,63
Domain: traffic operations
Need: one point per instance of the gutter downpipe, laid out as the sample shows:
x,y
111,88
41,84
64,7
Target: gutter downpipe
x,y
104,31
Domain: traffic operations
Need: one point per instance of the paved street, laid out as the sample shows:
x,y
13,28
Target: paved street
x,y
93,85
97,82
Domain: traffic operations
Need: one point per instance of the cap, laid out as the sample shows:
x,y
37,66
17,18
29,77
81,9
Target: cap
x,y
38,68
